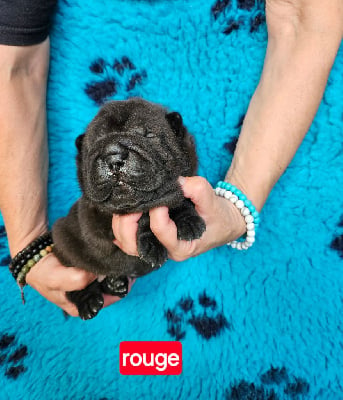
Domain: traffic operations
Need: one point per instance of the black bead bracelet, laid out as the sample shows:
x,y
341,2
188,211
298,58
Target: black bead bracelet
x,y
29,256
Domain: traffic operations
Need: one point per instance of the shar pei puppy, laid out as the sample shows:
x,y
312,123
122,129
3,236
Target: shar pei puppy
x,y
129,160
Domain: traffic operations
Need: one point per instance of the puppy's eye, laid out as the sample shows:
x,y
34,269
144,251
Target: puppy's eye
x,y
145,132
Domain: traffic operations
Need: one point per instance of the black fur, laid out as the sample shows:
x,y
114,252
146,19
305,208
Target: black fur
x,y
129,160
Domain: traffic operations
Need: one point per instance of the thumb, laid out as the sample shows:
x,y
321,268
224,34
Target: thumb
x,y
72,278
199,191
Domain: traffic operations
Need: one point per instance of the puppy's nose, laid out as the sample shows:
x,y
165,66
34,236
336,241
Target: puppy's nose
x,y
117,156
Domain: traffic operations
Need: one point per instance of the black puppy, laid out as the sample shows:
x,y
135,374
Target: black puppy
x,y
128,160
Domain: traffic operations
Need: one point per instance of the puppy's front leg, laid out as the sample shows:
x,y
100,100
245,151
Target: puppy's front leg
x,y
89,301
149,248
189,224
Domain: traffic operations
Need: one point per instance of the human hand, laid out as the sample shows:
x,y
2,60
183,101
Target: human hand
x,y
223,223
52,280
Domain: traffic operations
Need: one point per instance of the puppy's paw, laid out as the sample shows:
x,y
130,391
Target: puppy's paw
x,y
91,307
88,301
115,286
88,305
190,227
151,250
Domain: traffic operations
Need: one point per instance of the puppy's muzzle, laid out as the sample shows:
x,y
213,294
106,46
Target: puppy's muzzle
x,y
116,156
124,174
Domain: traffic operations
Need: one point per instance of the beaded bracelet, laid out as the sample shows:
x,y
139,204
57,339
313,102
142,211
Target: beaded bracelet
x,y
29,256
246,208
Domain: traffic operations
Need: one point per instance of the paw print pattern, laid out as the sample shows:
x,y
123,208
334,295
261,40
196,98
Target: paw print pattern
x,y
208,322
273,382
5,260
274,376
11,356
246,4
231,145
245,13
337,243
2,232
111,78
246,390
298,387
219,7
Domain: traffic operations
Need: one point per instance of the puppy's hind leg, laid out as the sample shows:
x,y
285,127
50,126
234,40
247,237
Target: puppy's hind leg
x,y
89,301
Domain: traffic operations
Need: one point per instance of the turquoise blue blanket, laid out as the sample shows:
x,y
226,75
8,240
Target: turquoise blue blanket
x,y
263,324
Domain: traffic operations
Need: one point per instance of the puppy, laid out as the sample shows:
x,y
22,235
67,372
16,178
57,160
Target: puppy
x,y
128,161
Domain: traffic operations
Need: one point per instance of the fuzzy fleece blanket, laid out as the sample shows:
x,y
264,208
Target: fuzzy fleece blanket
x,y
262,324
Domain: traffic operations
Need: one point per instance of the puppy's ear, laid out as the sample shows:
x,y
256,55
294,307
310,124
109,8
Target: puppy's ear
x,y
175,122
78,142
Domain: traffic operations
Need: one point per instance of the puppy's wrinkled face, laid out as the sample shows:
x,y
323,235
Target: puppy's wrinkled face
x,y
131,156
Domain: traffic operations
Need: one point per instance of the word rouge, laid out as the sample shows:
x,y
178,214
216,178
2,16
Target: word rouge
x,y
150,358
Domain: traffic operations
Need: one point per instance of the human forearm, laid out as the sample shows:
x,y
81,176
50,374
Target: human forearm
x,y
23,142
297,65
304,36
24,169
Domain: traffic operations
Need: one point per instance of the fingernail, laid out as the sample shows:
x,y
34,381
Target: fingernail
x,y
181,180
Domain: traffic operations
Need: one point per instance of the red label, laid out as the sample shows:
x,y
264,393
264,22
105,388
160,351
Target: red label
x,y
150,358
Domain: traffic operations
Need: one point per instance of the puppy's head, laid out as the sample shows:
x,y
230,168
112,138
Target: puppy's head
x,y
131,156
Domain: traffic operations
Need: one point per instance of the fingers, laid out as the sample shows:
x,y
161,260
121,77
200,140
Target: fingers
x,y
52,280
166,232
125,232
57,277
196,188
199,191
59,298
162,226
70,278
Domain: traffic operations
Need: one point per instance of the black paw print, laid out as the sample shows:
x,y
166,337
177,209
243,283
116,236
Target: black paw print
x,y
337,243
249,13
5,260
231,145
219,7
12,355
2,231
110,78
292,387
208,323
245,390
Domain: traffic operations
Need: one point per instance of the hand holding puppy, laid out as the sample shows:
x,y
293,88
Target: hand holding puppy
x,y
223,223
52,280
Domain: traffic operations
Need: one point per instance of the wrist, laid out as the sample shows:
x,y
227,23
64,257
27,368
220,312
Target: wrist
x,y
237,224
18,241
245,209
25,62
21,264
253,185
